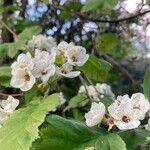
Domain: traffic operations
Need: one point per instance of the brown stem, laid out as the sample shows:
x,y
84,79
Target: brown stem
x,y
83,16
14,95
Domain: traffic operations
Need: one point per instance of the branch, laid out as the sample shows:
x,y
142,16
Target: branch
x,y
10,30
14,95
88,18
122,19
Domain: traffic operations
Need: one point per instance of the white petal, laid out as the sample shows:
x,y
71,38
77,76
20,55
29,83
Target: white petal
x,y
50,72
95,115
126,126
10,104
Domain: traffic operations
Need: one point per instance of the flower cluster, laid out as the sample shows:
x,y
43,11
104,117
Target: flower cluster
x,y
7,107
125,112
48,60
98,91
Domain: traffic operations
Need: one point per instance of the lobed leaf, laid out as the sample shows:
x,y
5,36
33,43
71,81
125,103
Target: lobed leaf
x,y
96,69
21,129
73,135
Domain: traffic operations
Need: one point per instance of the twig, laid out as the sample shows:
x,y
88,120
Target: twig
x,y
88,18
10,30
14,95
85,86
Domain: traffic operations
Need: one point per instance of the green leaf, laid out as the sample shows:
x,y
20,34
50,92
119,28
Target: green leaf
x,y
5,81
65,15
21,129
147,83
92,5
96,69
5,71
32,94
5,76
136,137
73,135
79,100
108,43
107,101
11,49
3,49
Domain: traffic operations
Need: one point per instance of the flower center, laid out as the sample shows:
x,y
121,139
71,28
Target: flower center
x,y
27,77
63,71
111,120
44,72
125,119
74,59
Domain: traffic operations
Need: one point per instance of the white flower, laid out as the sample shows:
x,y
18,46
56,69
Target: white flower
x,y
43,65
140,104
41,42
66,71
24,61
95,115
63,46
61,51
123,116
23,79
77,55
96,92
10,104
93,93
104,89
147,126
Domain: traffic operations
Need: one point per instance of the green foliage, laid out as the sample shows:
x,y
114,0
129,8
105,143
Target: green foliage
x,y
147,83
21,129
96,69
93,5
11,49
108,43
32,94
136,137
68,7
107,101
5,76
72,135
79,100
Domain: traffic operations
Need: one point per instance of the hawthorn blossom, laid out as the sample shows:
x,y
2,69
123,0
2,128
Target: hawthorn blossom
x,y
23,79
63,47
123,115
24,61
8,106
95,115
66,70
77,55
98,91
41,42
43,65
61,51
104,89
139,102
